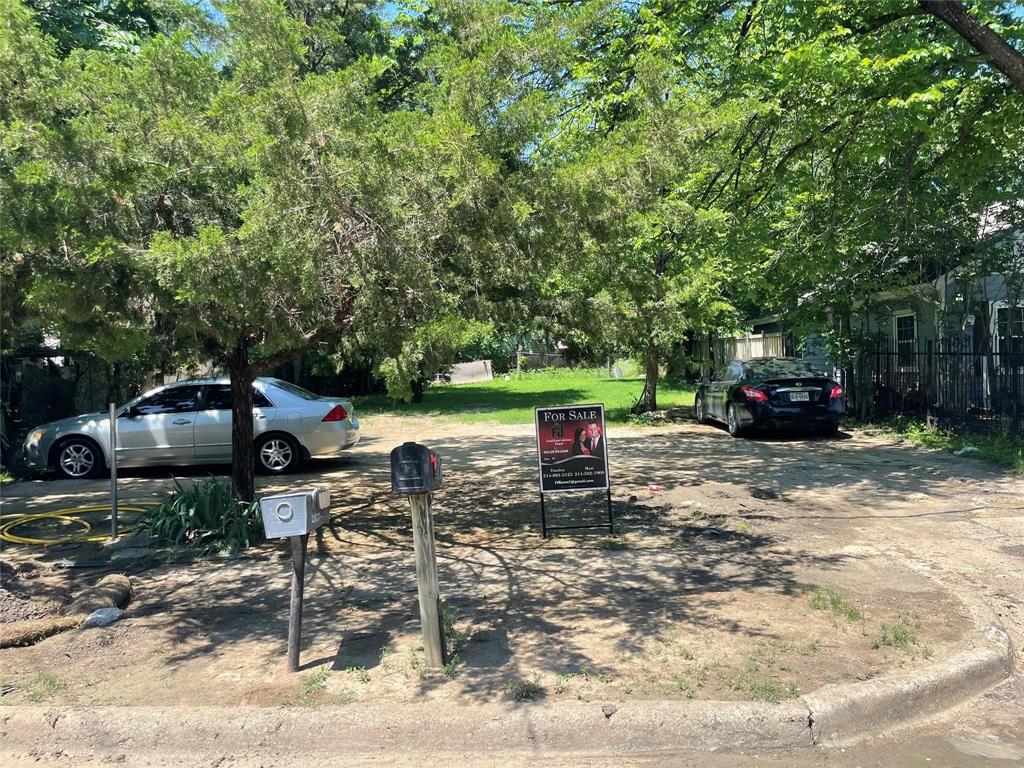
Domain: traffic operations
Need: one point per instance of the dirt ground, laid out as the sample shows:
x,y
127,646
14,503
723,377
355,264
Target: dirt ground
x,y
761,569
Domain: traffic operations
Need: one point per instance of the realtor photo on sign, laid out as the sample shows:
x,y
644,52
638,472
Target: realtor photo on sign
x,y
571,448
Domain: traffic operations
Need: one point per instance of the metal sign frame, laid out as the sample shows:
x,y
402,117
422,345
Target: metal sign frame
x,y
607,487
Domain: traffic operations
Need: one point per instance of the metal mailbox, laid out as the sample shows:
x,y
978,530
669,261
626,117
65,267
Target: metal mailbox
x,y
295,514
415,469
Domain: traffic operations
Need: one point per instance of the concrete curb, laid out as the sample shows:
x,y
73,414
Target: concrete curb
x,y
833,713
841,712
436,727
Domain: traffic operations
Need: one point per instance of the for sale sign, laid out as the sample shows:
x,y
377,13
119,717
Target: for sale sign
x,y
571,448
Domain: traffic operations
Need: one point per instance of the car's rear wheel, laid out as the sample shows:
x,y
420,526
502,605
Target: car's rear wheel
x,y
699,410
830,429
78,458
732,421
277,454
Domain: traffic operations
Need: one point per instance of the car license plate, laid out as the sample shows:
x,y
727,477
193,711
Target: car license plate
x,y
799,397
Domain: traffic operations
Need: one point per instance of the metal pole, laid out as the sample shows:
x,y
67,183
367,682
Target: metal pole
x,y
113,471
298,583
543,517
611,523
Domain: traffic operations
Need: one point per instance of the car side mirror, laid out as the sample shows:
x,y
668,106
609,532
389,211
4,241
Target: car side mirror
x,y
128,413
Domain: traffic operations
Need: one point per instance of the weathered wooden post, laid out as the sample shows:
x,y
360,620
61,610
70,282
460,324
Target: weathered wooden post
x,y
416,473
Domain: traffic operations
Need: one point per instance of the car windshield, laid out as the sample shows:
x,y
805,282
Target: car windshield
x,y
296,390
781,366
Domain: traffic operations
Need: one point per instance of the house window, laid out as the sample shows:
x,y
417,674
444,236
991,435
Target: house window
x,y
905,333
1010,336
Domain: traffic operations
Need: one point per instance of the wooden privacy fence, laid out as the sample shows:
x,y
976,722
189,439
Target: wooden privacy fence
x,y
947,381
746,347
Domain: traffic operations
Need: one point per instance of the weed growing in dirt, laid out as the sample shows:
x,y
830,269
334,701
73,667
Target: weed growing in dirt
x,y
770,691
455,640
524,690
896,636
43,686
832,600
313,682
419,666
362,673
759,680
452,666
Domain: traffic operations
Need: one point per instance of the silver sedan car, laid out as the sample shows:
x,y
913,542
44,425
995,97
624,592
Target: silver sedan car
x,y
189,422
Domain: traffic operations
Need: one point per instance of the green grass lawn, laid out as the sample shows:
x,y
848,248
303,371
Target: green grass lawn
x,y
513,401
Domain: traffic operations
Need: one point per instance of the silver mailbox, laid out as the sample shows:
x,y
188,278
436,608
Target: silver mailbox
x,y
294,514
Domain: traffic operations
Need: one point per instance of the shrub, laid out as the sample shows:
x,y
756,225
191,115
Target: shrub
x,y
206,514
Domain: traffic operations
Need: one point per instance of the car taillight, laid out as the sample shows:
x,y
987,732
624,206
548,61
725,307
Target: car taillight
x,y
337,413
837,391
753,394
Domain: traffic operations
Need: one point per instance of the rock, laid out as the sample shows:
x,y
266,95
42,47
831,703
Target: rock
x,y
103,617
609,710
966,450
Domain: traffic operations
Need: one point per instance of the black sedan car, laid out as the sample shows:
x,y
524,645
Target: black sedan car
x,y
770,392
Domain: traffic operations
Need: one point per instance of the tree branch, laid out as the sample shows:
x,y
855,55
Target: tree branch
x,y
1002,55
339,323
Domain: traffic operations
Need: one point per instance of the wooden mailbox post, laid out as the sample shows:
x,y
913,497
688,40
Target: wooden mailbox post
x,y
416,473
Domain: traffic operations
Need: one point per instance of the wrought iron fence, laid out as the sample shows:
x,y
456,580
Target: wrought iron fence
x,y
946,381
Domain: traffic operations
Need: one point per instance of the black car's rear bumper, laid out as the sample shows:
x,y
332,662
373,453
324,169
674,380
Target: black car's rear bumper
x,y
766,415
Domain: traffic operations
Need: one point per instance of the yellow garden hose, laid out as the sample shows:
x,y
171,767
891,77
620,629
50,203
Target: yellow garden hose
x,y
69,516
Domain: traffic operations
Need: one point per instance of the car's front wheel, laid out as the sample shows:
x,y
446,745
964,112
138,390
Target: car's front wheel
x,y
78,458
277,454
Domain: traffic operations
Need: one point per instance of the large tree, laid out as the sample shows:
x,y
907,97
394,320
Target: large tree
x,y
241,197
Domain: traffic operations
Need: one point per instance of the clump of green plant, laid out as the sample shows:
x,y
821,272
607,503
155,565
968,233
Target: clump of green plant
x,y
772,692
362,673
455,640
895,636
759,678
43,686
207,514
832,600
524,690
313,682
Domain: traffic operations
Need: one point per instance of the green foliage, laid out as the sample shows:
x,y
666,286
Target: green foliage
x,y
206,514
431,349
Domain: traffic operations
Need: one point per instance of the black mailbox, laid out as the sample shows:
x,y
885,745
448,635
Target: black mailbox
x,y
414,469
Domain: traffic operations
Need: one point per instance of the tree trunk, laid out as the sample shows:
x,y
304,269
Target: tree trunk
x,y
417,386
1000,53
649,399
243,460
